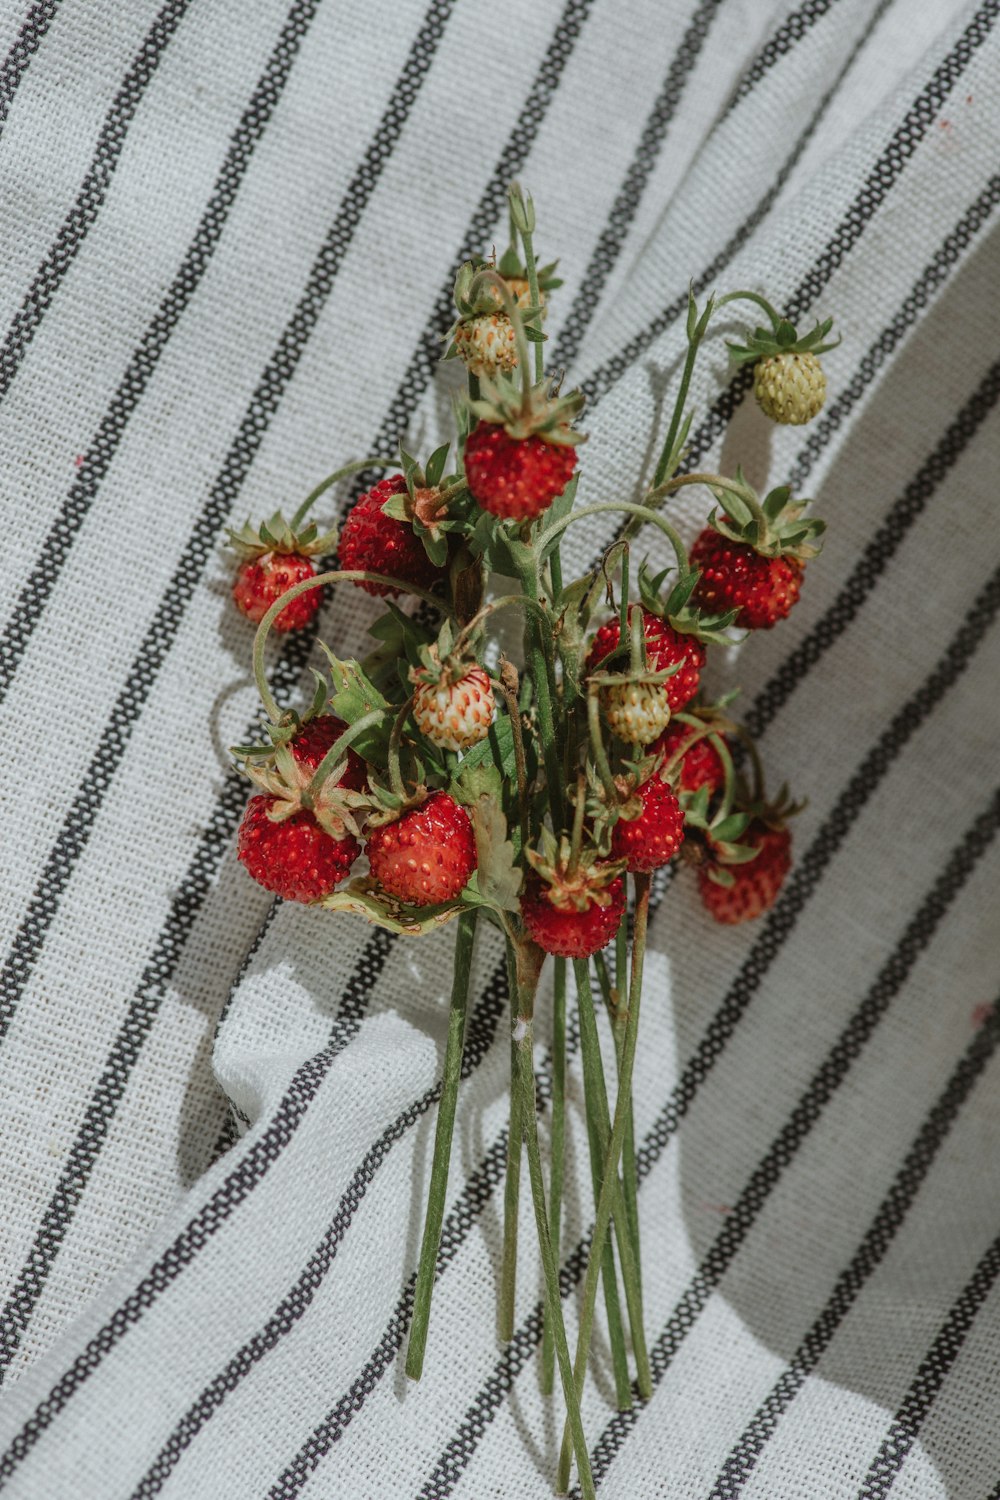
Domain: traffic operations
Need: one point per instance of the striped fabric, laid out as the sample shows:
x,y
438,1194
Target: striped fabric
x,y
229,237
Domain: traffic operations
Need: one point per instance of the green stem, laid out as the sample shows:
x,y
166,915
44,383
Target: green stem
x,y
541,670
598,1131
630,1182
396,735
528,966
352,468
609,1179
558,1151
506,601
598,751
337,575
774,316
512,1181
660,474
530,265
520,765
338,750
626,507
464,941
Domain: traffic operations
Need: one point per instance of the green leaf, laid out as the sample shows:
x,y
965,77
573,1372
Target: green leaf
x,y
434,467
354,694
497,875
395,507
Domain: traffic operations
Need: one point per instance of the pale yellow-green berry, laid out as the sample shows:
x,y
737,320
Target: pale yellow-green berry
x,y
789,388
455,715
487,344
636,712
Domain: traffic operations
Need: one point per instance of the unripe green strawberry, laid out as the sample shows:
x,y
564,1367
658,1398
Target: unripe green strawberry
x,y
636,712
453,713
790,388
487,344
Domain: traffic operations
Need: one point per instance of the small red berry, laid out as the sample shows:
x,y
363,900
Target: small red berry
x,y
316,737
665,647
515,478
735,576
700,765
427,855
571,933
295,859
756,884
262,580
654,837
372,542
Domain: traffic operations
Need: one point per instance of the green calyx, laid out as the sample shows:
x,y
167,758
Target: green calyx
x,y
678,611
576,879
775,526
277,535
530,411
474,296
782,338
432,502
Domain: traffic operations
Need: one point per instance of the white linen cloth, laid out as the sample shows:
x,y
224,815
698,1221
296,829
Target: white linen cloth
x,y
229,237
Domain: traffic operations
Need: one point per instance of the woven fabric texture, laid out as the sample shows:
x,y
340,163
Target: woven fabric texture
x,y
230,232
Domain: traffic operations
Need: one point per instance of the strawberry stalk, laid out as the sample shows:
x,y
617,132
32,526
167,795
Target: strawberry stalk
x,y
337,575
512,1179
629,508
670,455
528,961
557,1151
609,1182
617,1016
337,752
444,1131
522,213
598,1131
353,468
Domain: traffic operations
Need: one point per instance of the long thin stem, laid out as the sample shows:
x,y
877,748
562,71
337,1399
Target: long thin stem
x,y
339,748
337,575
598,1131
523,1084
464,942
609,1179
558,1150
629,508
331,479
630,1184
512,1180
540,669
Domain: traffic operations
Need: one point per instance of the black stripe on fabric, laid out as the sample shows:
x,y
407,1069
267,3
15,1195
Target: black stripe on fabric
x,y
612,239
890,980
93,190
932,1373
15,64
877,185
792,29
241,1181
98,458
80,820
228,809
888,1219
295,1303
82,815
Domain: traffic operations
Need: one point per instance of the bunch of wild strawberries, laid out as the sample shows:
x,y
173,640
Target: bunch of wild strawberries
x,y
528,796
407,787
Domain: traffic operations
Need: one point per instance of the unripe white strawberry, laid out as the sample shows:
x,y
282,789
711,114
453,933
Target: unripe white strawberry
x,y
487,344
454,714
636,712
790,387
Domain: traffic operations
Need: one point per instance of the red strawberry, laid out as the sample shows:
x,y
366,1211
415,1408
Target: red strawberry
x,y
653,838
427,855
261,580
700,765
735,576
293,858
756,884
665,647
372,542
316,737
515,478
570,932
